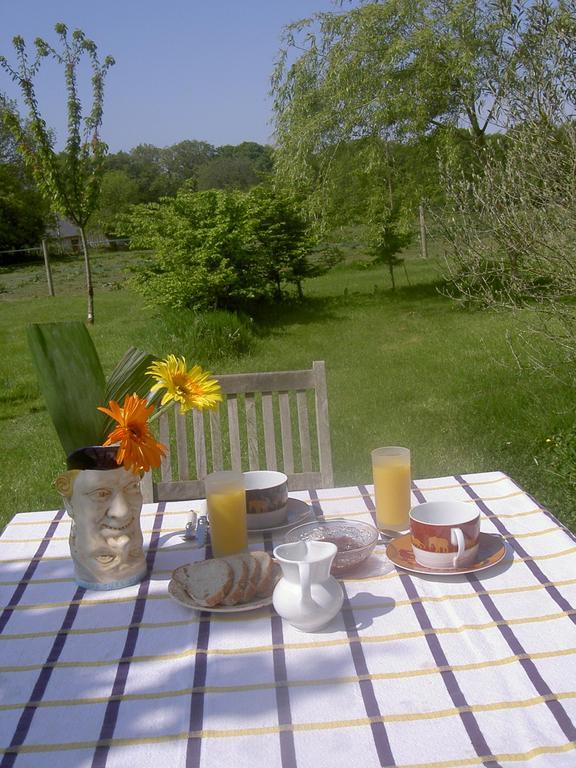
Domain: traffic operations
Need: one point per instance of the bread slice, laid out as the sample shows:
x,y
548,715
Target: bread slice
x,y
253,577
266,581
207,581
239,566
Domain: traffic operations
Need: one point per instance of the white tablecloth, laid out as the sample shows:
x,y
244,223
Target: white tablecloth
x,y
416,670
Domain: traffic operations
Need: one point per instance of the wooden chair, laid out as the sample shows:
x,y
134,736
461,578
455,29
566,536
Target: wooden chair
x,y
261,413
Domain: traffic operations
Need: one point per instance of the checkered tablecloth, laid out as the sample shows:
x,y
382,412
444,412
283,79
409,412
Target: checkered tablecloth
x,y
415,671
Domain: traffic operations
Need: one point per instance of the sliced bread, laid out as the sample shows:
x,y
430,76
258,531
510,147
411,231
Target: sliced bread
x,y
239,566
253,578
207,582
266,579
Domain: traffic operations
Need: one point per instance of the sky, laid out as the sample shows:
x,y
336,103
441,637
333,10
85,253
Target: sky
x,y
185,69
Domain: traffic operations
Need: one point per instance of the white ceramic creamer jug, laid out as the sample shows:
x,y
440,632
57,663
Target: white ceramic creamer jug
x,y
307,596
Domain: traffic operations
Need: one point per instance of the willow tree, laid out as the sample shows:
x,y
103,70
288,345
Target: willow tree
x,y
388,72
69,180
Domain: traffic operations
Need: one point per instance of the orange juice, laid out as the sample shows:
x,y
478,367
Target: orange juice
x,y
227,518
392,489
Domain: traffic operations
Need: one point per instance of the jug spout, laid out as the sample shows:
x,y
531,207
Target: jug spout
x,y
307,595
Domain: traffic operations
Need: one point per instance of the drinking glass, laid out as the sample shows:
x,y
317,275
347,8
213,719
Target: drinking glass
x,y
226,505
391,472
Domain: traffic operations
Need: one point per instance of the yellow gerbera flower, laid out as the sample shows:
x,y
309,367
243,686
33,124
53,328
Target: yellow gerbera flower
x,y
138,450
192,388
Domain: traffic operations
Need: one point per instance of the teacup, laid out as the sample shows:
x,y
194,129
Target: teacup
x,y
266,498
445,534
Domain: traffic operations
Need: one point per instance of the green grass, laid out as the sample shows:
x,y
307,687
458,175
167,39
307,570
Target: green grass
x,y
405,368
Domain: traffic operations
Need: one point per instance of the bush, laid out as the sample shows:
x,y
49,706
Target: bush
x,y
222,249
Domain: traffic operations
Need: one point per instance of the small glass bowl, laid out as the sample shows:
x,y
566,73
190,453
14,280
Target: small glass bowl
x,y
355,540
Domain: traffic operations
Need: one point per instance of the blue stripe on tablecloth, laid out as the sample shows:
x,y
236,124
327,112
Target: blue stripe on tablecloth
x,y
379,733
287,747
517,547
20,589
42,682
111,714
555,707
448,677
194,744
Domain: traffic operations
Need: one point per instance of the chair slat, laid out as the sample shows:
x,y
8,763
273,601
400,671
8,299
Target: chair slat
x,y
181,445
199,444
252,431
304,430
216,440
286,432
164,435
323,424
234,430
269,432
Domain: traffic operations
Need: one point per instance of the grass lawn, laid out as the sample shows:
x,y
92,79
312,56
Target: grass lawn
x,y
404,368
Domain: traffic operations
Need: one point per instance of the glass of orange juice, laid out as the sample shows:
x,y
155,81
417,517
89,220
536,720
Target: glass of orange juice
x,y
226,505
391,471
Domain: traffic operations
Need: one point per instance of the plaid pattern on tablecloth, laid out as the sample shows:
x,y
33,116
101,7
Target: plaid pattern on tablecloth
x,y
415,671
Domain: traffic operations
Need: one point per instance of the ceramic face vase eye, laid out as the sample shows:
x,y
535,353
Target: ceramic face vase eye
x,y
105,538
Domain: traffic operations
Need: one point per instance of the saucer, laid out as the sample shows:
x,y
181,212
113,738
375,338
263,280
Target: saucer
x,y
298,511
491,550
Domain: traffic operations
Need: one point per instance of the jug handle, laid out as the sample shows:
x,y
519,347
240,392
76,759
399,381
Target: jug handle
x,y
304,572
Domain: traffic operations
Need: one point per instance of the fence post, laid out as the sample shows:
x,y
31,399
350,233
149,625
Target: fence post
x,y
423,244
48,270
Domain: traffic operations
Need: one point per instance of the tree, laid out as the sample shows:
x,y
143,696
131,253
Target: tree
x,y
22,211
71,180
227,172
118,192
396,70
284,237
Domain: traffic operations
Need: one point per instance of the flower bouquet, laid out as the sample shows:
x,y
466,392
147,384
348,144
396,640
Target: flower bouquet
x,y
109,447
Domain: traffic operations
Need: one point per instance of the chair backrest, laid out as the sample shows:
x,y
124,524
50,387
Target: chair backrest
x,y
276,420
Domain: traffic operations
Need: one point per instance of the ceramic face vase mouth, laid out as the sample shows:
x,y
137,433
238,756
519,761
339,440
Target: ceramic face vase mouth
x,y
445,534
104,501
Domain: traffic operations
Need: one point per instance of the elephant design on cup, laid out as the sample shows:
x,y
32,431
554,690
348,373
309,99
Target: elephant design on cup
x,y
436,544
258,505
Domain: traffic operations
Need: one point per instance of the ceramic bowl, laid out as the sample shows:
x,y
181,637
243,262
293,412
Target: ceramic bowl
x,y
354,539
266,498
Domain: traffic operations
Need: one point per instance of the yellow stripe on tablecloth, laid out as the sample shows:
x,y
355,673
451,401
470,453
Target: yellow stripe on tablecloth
x,y
318,726
240,617
192,652
308,683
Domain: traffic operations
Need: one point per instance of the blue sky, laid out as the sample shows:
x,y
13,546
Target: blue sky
x,y
185,69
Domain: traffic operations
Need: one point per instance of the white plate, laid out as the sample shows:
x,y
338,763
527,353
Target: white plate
x,y
178,593
298,511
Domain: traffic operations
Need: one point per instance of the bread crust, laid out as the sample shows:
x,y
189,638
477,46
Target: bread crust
x,y
267,580
240,569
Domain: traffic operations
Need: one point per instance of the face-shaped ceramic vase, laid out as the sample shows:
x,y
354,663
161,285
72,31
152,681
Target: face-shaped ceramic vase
x,y
104,504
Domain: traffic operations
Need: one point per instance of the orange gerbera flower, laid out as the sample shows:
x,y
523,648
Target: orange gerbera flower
x,y
138,450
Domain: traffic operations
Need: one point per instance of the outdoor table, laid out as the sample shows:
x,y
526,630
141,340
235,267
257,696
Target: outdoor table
x,y
466,670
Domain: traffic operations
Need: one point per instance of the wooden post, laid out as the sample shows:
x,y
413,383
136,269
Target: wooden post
x,y
48,270
423,244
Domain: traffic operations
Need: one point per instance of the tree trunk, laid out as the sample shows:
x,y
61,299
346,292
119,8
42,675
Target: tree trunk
x,y
88,273
391,268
